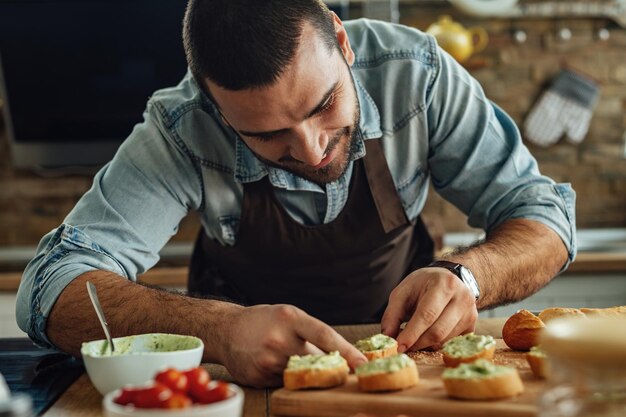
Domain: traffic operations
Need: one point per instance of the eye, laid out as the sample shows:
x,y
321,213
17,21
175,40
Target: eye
x,y
262,138
328,104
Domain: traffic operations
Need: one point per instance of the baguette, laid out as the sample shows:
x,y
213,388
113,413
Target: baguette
x,y
482,380
468,348
556,312
315,371
536,358
387,374
377,346
605,312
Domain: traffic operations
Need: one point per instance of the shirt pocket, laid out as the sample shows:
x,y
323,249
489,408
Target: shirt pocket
x,y
410,190
229,226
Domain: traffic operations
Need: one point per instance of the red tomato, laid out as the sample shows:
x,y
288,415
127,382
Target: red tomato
x,y
173,379
198,379
153,397
178,400
127,395
213,392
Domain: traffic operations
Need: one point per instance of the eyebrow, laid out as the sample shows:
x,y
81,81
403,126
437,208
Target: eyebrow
x,y
310,114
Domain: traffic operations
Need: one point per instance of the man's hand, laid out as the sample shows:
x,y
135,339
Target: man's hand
x,y
261,338
437,305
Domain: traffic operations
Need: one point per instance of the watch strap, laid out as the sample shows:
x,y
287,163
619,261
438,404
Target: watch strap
x,y
455,268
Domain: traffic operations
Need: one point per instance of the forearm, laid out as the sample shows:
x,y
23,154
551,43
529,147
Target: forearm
x,y
517,259
131,308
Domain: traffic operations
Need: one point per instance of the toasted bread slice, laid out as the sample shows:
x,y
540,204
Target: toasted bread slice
x,y
387,374
467,348
377,346
315,371
556,312
482,380
536,358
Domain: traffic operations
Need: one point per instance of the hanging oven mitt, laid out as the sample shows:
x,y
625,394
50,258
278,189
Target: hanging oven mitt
x,y
565,108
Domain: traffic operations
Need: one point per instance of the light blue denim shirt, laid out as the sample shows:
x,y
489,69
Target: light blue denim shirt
x,y
434,121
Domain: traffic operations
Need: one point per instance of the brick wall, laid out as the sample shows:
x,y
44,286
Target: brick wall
x,y
31,205
513,76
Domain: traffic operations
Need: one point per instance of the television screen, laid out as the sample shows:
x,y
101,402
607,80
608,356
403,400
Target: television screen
x,y
76,74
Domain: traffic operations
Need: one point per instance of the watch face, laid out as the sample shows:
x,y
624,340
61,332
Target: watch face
x,y
468,278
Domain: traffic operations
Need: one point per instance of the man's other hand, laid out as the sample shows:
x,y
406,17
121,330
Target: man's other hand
x,y
437,305
260,339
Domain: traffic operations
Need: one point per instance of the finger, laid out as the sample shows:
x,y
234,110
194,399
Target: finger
x,y
466,325
297,346
436,334
428,310
394,314
311,349
326,338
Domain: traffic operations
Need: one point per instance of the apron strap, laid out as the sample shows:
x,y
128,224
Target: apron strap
x,y
386,199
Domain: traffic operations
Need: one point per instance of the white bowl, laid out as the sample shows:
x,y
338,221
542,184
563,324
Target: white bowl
x,y
137,359
230,407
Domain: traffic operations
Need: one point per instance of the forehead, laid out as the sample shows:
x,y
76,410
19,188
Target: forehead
x,y
298,90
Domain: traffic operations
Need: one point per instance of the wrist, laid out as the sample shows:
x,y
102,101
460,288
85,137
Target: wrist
x,y
219,330
462,272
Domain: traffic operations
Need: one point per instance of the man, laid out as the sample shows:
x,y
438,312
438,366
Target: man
x,y
306,146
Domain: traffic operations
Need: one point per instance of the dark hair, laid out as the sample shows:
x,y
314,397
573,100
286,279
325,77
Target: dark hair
x,y
241,44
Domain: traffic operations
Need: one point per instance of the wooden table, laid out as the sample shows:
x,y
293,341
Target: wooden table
x,y
82,399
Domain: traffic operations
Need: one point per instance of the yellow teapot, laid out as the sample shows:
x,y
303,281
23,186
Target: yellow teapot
x,y
456,40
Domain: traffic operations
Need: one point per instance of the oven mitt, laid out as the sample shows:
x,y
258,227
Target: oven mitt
x,y
565,108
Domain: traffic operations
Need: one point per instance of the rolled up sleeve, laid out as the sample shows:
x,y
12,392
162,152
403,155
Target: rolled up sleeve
x,y
133,208
63,255
480,164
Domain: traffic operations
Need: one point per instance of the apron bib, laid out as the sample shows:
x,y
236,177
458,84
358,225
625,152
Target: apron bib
x,y
341,272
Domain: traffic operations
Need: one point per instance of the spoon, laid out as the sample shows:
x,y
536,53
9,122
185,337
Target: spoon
x,y
93,295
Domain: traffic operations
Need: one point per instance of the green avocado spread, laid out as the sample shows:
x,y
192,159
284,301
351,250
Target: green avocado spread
x,y
384,365
467,345
376,342
329,361
139,344
537,351
481,368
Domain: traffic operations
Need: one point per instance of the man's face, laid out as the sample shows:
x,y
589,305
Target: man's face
x,y
306,122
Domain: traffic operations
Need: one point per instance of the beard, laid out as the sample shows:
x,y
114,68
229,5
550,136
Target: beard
x,y
345,141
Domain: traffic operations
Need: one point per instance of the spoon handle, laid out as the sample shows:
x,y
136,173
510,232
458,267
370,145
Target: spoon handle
x,y
93,295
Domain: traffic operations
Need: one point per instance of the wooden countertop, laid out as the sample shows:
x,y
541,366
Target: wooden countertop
x,y
586,262
82,399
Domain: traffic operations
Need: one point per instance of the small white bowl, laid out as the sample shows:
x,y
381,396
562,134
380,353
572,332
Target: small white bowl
x,y
137,359
230,407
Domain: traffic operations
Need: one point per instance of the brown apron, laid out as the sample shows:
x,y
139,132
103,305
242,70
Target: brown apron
x,y
340,272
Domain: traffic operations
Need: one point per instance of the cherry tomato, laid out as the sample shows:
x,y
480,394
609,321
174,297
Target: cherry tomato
x,y
173,379
198,378
127,396
153,397
178,400
213,392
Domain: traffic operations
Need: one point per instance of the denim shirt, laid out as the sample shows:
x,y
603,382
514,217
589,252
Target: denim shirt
x,y
432,117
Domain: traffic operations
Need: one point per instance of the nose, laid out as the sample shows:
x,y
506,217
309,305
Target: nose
x,y
309,145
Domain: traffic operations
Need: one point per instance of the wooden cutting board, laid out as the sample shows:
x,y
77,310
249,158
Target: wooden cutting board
x,y
427,399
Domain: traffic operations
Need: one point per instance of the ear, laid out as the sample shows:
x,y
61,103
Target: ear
x,y
342,38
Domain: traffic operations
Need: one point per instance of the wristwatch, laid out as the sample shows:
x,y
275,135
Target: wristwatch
x,y
462,272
